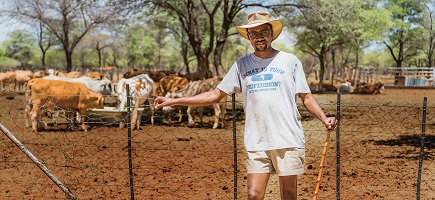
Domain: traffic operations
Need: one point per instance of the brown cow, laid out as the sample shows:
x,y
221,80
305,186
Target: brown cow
x,y
219,108
50,95
40,74
171,84
198,87
21,78
95,75
155,76
7,77
369,88
72,74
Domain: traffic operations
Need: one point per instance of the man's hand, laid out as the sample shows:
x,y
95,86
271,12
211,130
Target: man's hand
x,y
161,102
330,123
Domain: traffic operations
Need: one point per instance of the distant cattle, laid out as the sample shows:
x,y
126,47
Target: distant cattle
x,y
370,88
141,88
40,73
22,77
50,95
155,76
7,78
95,75
314,87
198,87
345,88
72,74
171,84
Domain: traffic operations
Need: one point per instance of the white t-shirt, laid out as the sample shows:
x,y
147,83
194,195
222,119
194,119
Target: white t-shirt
x,y
269,87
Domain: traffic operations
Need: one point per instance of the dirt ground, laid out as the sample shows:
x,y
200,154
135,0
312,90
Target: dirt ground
x,y
379,150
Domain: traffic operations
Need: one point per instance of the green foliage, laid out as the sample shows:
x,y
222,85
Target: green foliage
x,y
377,59
154,36
19,47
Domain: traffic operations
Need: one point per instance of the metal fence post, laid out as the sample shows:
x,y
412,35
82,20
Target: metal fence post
x,y
130,162
233,103
337,135
420,162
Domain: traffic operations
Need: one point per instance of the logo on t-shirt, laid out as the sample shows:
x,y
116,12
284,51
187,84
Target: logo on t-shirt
x,y
262,77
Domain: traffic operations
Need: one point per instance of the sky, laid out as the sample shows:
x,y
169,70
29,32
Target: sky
x,y
8,26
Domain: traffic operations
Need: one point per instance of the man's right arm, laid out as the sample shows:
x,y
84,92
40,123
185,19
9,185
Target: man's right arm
x,y
203,99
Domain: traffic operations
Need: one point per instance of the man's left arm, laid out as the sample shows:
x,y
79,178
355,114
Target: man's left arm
x,y
313,106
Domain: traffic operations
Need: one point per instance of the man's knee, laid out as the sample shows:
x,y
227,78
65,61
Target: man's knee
x,y
255,194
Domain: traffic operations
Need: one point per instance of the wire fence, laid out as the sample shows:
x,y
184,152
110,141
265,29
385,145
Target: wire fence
x,y
376,153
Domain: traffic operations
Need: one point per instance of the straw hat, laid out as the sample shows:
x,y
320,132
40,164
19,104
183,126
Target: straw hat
x,y
257,19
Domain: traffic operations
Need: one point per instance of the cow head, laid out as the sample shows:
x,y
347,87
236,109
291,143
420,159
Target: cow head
x,y
95,100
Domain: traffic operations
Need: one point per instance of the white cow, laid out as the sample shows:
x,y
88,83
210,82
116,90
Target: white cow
x,y
103,85
141,89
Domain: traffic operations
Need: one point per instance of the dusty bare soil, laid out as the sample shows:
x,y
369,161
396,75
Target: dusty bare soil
x,y
379,150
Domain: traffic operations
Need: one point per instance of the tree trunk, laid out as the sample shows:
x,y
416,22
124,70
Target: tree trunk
x,y
68,56
217,59
99,57
321,73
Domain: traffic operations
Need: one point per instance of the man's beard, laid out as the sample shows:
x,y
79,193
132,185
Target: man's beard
x,y
261,47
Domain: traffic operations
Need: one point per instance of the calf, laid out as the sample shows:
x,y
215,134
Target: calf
x,y
198,87
141,88
50,95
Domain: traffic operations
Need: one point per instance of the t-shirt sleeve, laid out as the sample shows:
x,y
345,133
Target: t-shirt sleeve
x,y
300,80
231,82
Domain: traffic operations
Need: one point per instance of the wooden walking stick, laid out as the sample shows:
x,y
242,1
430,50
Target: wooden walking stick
x,y
328,134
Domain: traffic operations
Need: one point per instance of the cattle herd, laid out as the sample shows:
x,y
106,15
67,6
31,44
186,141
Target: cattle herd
x,y
349,87
48,92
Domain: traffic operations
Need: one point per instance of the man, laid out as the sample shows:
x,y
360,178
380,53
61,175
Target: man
x,y
269,81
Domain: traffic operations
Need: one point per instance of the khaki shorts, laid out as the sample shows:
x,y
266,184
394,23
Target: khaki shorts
x,y
283,162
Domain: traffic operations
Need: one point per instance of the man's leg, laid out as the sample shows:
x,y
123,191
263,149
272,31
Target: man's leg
x,y
288,187
257,183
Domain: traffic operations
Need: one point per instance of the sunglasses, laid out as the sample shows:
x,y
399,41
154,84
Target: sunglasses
x,y
256,34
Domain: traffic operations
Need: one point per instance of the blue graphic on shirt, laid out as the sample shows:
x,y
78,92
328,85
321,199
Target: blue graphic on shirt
x,y
263,82
262,77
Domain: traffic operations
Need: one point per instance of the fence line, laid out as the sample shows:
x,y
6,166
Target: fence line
x,y
377,153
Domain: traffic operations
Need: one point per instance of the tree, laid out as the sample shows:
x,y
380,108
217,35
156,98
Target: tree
x,y
428,24
45,41
69,21
200,30
19,47
140,46
204,24
320,26
324,28
371,22
402,36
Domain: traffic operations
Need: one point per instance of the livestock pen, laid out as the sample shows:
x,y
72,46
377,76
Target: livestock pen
x,y
376,154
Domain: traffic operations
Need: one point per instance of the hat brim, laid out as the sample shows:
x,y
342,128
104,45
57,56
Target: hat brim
x,y
277,26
